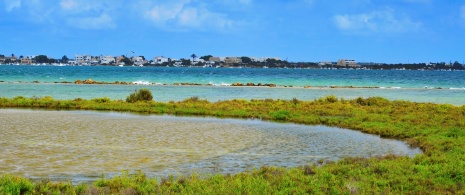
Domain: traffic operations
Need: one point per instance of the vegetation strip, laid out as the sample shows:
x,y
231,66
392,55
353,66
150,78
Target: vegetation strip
x,y
438,129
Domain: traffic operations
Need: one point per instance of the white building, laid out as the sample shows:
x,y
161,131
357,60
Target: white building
x,y
107,59
83,59
263,59
138,61
160,60
349,63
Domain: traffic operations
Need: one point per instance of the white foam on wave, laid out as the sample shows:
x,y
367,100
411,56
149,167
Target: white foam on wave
x,y
141,83
457,88
222,84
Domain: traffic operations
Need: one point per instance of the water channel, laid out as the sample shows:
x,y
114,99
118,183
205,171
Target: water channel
x,y
81,145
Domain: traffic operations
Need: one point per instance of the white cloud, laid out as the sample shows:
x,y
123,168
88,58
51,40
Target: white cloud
x,y
12,4
68,4
162,13
385,21
87,6
89,14
103,21
182,15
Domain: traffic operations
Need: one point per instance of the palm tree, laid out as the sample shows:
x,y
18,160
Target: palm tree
x,y
193,56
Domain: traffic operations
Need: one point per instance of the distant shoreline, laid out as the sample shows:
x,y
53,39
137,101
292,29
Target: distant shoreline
x,y
304,65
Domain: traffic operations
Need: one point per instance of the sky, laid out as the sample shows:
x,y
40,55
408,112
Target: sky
x,y
390,31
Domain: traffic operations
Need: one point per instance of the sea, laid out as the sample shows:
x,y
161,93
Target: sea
x,y
215,84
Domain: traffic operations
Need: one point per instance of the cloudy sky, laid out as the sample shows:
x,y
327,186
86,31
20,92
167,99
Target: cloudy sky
x,y
298,30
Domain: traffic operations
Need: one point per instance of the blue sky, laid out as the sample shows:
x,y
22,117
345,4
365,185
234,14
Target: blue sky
x,y
390,31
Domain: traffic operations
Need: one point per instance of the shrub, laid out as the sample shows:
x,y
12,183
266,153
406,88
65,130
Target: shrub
x,y
330,99
101,100
281,115
373,101
141,95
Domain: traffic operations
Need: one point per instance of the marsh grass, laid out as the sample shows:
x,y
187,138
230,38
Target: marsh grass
x,y
438,129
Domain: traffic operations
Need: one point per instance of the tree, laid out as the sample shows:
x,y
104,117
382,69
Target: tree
x,y
206,58
185,62
64,59
457,66
193,56
246,60
126,60
41,59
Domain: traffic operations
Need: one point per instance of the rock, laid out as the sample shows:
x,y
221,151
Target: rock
x,y
88,81
237,84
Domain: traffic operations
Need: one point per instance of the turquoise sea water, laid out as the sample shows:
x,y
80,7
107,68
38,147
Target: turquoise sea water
x,y
419,86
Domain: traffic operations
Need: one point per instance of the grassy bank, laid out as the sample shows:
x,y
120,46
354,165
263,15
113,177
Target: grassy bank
x,y
439,130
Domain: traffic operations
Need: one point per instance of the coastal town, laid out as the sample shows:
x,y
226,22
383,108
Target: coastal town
x,y
210,61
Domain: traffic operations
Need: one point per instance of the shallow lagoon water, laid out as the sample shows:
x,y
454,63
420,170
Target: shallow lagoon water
x,y
81,145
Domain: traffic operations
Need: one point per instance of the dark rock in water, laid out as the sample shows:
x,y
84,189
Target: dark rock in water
x,y
250,84
35,81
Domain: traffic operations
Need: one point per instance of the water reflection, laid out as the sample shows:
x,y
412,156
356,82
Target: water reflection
x,y
81,145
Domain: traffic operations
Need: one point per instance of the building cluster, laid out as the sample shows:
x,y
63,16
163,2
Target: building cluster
x,y
87,60
18,60
159,60
342,63
106,60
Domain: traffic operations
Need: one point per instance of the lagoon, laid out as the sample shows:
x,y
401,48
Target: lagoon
x,y
81,145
